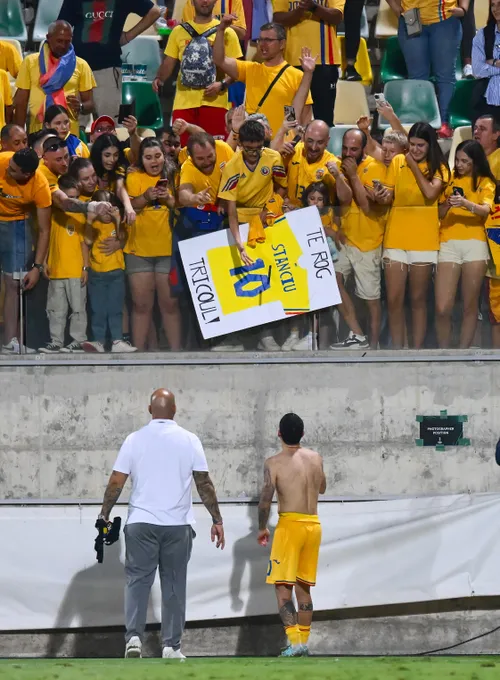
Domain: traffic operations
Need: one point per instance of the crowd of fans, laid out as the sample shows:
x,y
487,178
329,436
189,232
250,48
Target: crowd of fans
x,y
91,231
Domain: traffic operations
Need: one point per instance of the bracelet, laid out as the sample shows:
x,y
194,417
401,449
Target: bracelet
x,y
218,522
223,85
85,269
472,209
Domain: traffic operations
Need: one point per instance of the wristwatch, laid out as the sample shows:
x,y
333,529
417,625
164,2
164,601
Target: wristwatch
x,y
40,267
85,269
223,85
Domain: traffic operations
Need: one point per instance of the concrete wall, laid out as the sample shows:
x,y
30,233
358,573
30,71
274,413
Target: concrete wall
x,y
61,426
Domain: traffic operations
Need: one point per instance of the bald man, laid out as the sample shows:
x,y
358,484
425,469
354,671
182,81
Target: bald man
x,y
71,84
162,459
13,138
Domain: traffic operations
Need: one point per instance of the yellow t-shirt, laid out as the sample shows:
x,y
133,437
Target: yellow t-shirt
x,y
221,7
16,200
65,258
252,189
319,36
431,11
494,161
51,178
301,174
366,232
199,181
99,262
460,223
150,235
413,222
185,97
10,59
258,77
5,95
82,80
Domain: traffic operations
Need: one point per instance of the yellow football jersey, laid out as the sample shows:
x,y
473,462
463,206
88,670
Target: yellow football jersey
x,y
301,174
198,180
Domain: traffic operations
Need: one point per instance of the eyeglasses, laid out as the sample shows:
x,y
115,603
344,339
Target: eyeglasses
x,y
105,129
55,146
266,41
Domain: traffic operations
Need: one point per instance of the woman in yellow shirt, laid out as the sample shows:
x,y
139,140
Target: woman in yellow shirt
x,y
148,253
109,164
57,118
413,184
464,252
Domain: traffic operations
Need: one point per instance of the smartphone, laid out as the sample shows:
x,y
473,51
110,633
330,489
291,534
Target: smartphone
x,y
380,98
162,184
126,110
458,191
296,140
290,113
377,184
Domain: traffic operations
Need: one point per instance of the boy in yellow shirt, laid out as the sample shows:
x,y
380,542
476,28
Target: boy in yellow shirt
x,y
67,267
106,278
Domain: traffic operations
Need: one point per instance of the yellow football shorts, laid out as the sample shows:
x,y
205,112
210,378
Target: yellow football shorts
x,y
295,549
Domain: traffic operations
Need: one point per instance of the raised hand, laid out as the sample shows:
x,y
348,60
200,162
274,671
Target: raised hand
x,y
227,20
307,61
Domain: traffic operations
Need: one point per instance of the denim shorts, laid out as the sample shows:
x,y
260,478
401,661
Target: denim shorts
x,y
15,246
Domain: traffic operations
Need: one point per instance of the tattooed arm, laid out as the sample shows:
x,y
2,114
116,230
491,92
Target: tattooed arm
x,y
208,497
112,493
266,498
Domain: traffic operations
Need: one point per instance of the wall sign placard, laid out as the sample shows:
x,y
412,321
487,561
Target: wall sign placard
x,y
442,430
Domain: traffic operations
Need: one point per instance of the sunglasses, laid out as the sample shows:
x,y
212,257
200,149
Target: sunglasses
x,y
55,146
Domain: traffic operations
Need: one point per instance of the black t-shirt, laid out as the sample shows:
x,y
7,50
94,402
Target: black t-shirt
x,y
98,25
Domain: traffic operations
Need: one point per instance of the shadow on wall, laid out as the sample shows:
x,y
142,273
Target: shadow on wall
x,y
253,639
91,596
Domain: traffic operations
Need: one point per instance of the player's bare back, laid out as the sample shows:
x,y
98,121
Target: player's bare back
x,y
299,479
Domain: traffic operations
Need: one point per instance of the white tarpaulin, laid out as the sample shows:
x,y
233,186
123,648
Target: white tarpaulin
x,y
372,553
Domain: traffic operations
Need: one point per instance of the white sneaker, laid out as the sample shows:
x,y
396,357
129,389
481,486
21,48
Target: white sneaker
x,y
467,71
122,346
227,346
133,648
352,341
268,344
291,341
170,653
94,346
304,344
13,347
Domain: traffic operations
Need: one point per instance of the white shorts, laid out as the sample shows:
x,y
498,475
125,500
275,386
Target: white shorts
x,y
411,256
366,268
462,251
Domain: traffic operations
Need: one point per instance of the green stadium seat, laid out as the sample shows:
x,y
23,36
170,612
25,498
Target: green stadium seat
x,y
336,135
143,50
460,111
412,101
148,109
12,20
393,65
48,11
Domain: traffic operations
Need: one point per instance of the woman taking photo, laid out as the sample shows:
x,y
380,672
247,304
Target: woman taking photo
x,y
148,252
109,164
466,203
57,118
414,183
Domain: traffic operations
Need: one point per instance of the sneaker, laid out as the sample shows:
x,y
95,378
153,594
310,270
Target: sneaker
x,y
351,74
122,346
467,72
133,648
304,344
305,650
268,344
72,347
13,347
171,653
94,346
292,650
50,348
445,131
291,341
227,346
352,341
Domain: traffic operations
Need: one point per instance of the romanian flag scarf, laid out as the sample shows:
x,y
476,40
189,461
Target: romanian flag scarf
x,y
54,74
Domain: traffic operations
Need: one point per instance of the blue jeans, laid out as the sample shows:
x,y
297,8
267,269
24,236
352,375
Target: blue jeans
x,y
15,246
434,50
106,291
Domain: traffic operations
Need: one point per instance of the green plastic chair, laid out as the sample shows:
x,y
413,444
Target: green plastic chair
x,y
460,111
48,11
393,65
148,109
12,20
336,136
143,50
412,101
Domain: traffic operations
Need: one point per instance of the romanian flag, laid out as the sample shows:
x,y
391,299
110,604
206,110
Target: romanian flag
x,y
493,234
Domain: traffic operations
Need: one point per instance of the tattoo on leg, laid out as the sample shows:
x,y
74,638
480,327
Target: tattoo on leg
x,y
306,607
288,614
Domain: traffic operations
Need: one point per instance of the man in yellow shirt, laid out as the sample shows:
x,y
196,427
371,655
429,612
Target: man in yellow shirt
x,y
13,138
314,24
10,58
487,133
272,84
54,76
361,236
222,7
5,99
311,162
202,106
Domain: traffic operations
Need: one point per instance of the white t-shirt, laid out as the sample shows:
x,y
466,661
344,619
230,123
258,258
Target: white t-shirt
x,y
160,459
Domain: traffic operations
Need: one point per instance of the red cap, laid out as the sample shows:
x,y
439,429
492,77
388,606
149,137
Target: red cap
x,y
102,119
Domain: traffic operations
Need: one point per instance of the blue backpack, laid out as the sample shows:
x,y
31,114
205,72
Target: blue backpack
x,y
197,64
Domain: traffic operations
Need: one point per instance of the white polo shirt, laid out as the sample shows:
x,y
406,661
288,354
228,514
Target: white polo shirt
x,y
160,459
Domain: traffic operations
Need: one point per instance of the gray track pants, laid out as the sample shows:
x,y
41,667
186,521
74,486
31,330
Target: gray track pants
x,y
149,546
